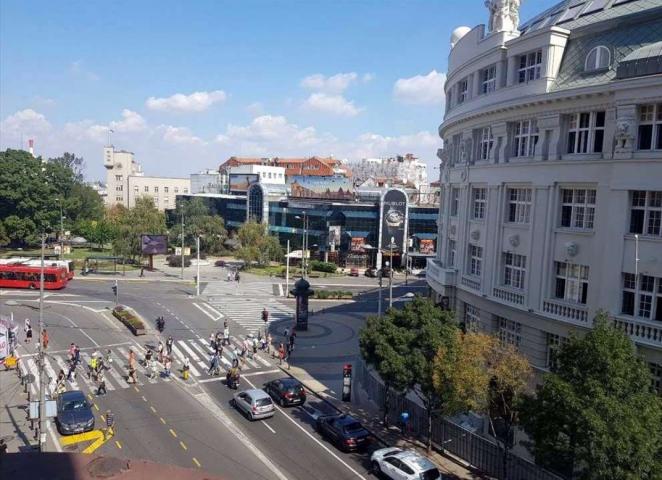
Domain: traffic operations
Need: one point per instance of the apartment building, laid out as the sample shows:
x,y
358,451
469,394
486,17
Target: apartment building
x,y
310,166
551,177
126,182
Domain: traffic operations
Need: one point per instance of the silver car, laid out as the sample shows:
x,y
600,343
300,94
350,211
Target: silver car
x,y
255,403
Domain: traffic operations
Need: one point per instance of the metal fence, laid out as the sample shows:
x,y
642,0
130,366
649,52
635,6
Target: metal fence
x,y
476,450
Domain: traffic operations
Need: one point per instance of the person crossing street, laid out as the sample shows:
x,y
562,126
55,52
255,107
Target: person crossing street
x,y
101,383
169,343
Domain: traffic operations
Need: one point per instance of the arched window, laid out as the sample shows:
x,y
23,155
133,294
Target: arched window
x,y
255,203
598,58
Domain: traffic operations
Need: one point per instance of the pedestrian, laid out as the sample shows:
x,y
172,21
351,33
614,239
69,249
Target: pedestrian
x,y
281,354
72,369
286,332
60,386
229,275
185,368
213,365
92,366
293,337
108,360
77,354
44,339
148,360
265,315
101,383
72,351
132,357
269,341
142,271
169,343
212,341
236,277
159,350
27,327
132,367
226,335
3,451
167,366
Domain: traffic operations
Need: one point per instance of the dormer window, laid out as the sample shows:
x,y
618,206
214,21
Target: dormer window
x,y
599,58
530,66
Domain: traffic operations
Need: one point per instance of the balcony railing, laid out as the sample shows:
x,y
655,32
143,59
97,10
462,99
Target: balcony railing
x,y
471,283
508,296
641,332
444,276
567,312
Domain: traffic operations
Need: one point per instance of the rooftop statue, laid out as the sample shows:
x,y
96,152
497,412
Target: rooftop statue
x,y
504,15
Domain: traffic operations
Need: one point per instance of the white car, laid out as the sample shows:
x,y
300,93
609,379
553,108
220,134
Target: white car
x,y
398,464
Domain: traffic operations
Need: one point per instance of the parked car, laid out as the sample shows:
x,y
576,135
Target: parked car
x,y
255,403
344,431
371,272
353,272
74,413
398,464
219,263
286,391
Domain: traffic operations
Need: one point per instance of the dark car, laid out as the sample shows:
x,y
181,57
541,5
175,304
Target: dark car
x,y
219,263
344,431
371,272
74,414
286,391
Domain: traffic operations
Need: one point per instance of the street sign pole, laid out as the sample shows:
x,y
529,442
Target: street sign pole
x,y
287,271
197,282
42,391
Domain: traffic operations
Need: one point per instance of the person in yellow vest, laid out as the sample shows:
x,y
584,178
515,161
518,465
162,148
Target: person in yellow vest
x,y
92,367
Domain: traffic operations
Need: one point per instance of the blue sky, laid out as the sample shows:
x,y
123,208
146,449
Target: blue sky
x,y
186,84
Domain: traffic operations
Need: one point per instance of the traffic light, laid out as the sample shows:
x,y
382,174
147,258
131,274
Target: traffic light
x,y
114,287
347,382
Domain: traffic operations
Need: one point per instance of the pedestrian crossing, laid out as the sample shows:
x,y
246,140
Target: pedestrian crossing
x,y
244,303
197,350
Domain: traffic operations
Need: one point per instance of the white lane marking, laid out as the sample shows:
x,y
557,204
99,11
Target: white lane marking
x,y
281,292
202,350
65,367
269,427
315,439
56,442
213,310
181,358
34,386
51,352
73,324
189,350
215,410
255,374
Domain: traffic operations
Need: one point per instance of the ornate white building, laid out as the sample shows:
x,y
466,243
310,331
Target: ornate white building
x,y
551,205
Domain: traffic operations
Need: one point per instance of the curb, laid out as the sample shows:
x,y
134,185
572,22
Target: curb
x,y
330,403
124,279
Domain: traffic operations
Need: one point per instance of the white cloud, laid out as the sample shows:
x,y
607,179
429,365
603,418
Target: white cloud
x,y
195,102
25,123
334,104
77,69
131,122
337,83
368,77
423,144
421,89
180,136
256,109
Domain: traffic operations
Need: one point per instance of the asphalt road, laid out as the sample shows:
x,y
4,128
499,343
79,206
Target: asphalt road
x,y
189,424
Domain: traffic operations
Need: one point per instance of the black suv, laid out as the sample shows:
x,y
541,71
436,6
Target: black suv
x,y
286,391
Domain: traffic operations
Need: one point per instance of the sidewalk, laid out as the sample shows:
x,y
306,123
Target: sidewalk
x,y
363,409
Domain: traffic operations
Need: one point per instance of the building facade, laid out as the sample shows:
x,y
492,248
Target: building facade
x,y
551,182
309,166
126,182
206,181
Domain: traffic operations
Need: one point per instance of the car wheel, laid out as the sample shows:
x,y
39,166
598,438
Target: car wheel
x,y
250,417
281,402
376,470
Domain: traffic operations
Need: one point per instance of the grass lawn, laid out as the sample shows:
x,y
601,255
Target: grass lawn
x,y
78,255
294,272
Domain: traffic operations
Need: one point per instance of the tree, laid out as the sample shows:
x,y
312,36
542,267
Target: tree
x,y
198,221
596,416
257,245
4,239
143,218
403,345
72,162
98,232
475,372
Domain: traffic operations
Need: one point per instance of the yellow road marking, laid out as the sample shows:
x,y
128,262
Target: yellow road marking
x,y
172,432
103,419
144,399
89,395
162,421
96,406
183,445
119,445
195,460
136,388
152,409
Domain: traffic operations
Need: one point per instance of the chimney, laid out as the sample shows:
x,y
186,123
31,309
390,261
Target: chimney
x,y
31,147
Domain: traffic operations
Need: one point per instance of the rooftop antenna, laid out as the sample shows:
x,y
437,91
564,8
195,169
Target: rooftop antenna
x,y
110,132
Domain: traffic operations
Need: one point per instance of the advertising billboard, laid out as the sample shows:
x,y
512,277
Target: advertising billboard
x,y
334,235
154,244
239,182
358,244
426,247
394,216
324,187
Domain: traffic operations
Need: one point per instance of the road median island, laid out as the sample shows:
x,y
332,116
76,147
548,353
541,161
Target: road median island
x,y
130,319
333,295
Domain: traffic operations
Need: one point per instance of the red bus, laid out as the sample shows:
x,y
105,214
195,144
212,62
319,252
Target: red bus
x,y
24,276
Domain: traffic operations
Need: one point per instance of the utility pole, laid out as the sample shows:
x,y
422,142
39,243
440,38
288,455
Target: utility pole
x,y
42,391
61,232
390,276
197,281
379,305
182,204
287,271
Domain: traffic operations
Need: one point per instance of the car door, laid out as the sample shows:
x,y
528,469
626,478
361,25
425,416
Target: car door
x,y
391,467
331,429
244,402
276,389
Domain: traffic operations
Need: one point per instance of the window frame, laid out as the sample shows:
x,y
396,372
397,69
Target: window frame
x,y
478,203
525,138
586,137
644,294
518,209
471,318
452,252
463,90
514,270
488,79
650,117
486,143
650,216
455,201
529,66
582,213
475,260
575,288
509,332
599,51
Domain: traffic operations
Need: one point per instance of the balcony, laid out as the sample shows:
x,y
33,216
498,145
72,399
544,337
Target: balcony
x,y
567,312
471,283
437,273
641,331
508,296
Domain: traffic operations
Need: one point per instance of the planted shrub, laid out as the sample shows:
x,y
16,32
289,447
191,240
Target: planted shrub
x,y
128,318
176,261
327,267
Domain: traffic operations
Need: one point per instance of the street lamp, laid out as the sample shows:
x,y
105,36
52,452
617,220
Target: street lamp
x,y
390,274
61,228
304,248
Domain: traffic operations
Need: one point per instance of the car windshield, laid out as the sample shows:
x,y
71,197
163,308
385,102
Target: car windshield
x,y
263,402
432,474
353,427
74,405
296,389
